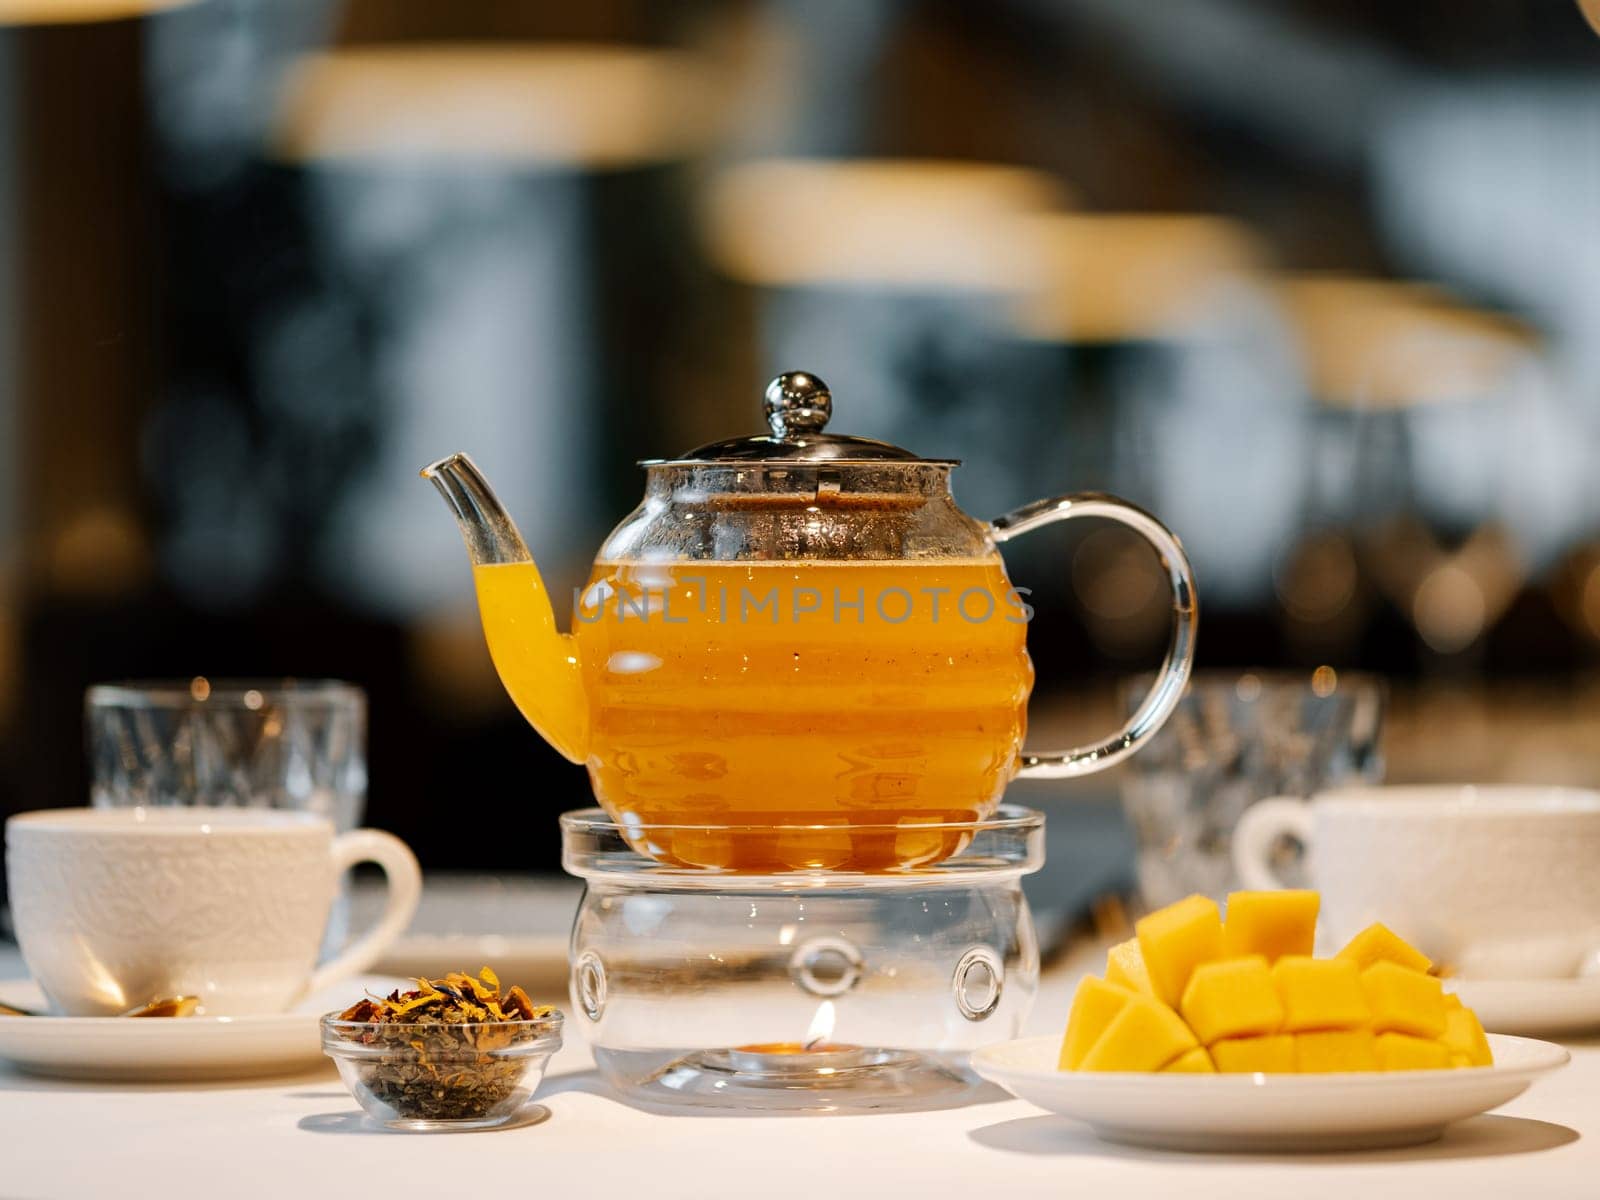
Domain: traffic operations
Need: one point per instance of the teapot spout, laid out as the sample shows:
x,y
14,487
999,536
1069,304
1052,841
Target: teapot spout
x,y
537,663
487,528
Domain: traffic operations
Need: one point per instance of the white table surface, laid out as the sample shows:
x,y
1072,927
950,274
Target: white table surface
x,y
302,1137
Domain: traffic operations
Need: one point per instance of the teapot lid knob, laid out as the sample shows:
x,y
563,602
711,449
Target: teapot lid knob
x,y
798,406
797,403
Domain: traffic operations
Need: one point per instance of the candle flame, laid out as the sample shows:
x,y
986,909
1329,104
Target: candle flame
x,y
821,1027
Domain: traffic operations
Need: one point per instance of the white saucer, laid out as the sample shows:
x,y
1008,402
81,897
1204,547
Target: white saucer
x,y
1536,1007
1266,1112
178,1049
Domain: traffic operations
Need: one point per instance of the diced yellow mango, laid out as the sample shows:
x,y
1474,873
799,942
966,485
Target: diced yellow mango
x,y
1378,943
1335,1050
1145,1035
1403,1000
1270,923
1125,966
1273,1054
1402,1052
1094,1005
1176,939
1194,995
1191,1062
1233,997
1464,1038
1319,993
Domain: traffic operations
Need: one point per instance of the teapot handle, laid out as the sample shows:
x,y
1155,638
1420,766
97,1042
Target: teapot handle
x,y
1163,697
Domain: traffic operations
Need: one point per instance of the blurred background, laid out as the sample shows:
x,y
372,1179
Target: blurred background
x,y
1314,280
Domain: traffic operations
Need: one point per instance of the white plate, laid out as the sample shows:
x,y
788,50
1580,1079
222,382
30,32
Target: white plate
x,y
1540,1007
153,1049
1266,1112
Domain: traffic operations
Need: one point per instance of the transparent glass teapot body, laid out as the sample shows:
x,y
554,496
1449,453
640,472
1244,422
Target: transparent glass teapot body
x,y
801,630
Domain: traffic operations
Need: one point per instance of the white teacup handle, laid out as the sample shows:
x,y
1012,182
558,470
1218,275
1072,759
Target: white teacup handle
x,y
1258,833
403,889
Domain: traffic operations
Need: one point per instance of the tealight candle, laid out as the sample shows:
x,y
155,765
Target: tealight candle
x,y
768,1058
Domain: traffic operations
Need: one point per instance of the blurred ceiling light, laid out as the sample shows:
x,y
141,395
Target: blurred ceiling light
x,y
1325,605
1449,608
1591,602
1451,596
1373,343
1119,586
1575,590
1115,277
79,12
1591,9
593,106
100,551
1317,582
896,223
1324,681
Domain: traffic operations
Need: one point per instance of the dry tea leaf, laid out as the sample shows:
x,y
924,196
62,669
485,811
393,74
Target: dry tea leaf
x,y
444,1036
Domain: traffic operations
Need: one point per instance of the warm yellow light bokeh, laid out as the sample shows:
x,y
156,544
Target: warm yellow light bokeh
x,y
887,223
525,105
1121,277
1376,343
80,12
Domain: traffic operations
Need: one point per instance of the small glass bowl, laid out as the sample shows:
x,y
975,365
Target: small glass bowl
x,y
404,1079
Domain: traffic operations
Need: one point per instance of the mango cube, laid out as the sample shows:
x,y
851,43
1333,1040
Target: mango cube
x,y
1191,993
1176,939
1319,993
1378,943
1270,923
1402,1052
1191,1062
1125,966
1403,1000
1145,1035
1094,1006
1272,1054
1335,1050
1234,997
1464,1039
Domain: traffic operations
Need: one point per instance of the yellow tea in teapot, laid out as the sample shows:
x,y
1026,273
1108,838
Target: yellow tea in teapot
x,y
767,694
797,652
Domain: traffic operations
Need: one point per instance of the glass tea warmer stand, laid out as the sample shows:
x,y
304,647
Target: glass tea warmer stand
x,y
879,983
798,679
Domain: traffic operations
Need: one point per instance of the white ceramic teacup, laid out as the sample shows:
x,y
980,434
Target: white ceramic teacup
x,y
1497,882
114,907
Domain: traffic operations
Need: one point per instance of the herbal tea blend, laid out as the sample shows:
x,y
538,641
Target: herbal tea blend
x,y
447,1050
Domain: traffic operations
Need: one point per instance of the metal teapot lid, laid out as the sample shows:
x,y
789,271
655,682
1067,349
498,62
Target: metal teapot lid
x,y
798,405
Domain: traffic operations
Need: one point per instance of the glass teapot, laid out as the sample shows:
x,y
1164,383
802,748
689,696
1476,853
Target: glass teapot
x,y
797,653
